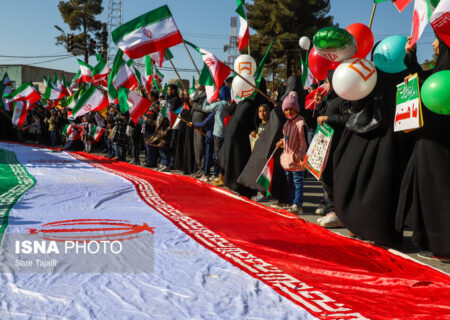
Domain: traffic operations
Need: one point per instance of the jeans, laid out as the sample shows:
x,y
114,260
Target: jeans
x,y
68,146
109,145
295,185
217,145
53,138
165,157
116,150
210,160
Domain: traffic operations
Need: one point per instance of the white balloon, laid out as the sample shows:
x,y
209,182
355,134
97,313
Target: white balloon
x,y
304,43
354,79
242,89
245,65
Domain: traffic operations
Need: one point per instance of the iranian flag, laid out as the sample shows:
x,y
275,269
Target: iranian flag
x,y
67,129
155,76
133,103
26,92
75,81
5,89
218,72
85,72
91,100
54,92
154,31
160,57
244,35
20,113
422,14
121,76
440,21
165,112
143,79
265,178
96,132
101,70
399,4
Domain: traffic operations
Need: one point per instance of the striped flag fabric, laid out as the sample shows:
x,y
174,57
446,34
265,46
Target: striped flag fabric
x,y
265,177
20,113
54,91
244,35
422,14
154,31
133,103
26,92
5,89
67,129
217,70
96,132
121,76
160,57
440,21
85,72
101,70
91,100
143,79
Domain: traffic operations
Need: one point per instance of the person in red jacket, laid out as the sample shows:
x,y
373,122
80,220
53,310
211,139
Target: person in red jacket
x,y
295,147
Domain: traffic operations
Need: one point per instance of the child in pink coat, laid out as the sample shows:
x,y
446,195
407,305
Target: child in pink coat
x,y
295,147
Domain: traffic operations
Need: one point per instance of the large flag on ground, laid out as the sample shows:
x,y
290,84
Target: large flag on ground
x,y
422,14
91,100
285,268
96,132
218,70
85,72
440,21
26,92
265,178
160,57
244,35
133,103
20,113
154,31
5,89
121,76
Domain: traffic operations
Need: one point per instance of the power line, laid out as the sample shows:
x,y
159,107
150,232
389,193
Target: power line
x,y
36,57
49,60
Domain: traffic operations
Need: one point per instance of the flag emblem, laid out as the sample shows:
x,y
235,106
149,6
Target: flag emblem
x,y
147,33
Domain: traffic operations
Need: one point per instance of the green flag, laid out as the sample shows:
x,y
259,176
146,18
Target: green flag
x,y
259,71
192,89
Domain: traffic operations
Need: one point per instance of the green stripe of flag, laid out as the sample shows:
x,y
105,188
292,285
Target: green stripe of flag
x,y
143,20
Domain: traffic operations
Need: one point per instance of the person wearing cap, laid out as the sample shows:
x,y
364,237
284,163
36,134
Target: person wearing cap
x,y
294,150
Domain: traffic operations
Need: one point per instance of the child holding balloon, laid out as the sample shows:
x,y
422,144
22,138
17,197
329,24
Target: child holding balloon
x,y
294,150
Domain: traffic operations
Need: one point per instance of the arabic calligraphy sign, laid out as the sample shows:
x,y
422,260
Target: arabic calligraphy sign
x,y
408,112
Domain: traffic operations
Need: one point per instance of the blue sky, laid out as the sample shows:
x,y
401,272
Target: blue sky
x,y
28,28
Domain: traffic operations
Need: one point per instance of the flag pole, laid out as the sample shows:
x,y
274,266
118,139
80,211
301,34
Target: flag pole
x,y
178,75
373,14
257,89
192,59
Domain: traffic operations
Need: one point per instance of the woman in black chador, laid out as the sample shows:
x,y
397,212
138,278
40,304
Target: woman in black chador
x,y
236,150
265,145
368,167
424,203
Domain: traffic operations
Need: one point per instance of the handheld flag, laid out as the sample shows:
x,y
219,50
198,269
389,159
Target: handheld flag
x,y
154,31
244,35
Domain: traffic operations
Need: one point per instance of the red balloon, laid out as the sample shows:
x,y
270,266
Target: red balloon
x,y
364,39
319,66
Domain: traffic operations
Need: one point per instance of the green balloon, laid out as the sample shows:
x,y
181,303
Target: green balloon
x,y
436,92
332,38
434,3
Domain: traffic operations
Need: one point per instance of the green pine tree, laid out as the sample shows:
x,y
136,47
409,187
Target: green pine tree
x,y
285,21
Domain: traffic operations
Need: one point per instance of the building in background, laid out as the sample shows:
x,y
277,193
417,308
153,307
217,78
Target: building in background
x,y
20,73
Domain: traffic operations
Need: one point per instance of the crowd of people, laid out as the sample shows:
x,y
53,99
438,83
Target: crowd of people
x,y
376,181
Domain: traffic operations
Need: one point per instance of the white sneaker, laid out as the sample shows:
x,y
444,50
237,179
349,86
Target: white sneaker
x,y
320,210
295,209
204,178
164,169
279,205
331,221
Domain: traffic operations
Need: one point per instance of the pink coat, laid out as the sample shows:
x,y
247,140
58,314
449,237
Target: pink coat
x,y
294,144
